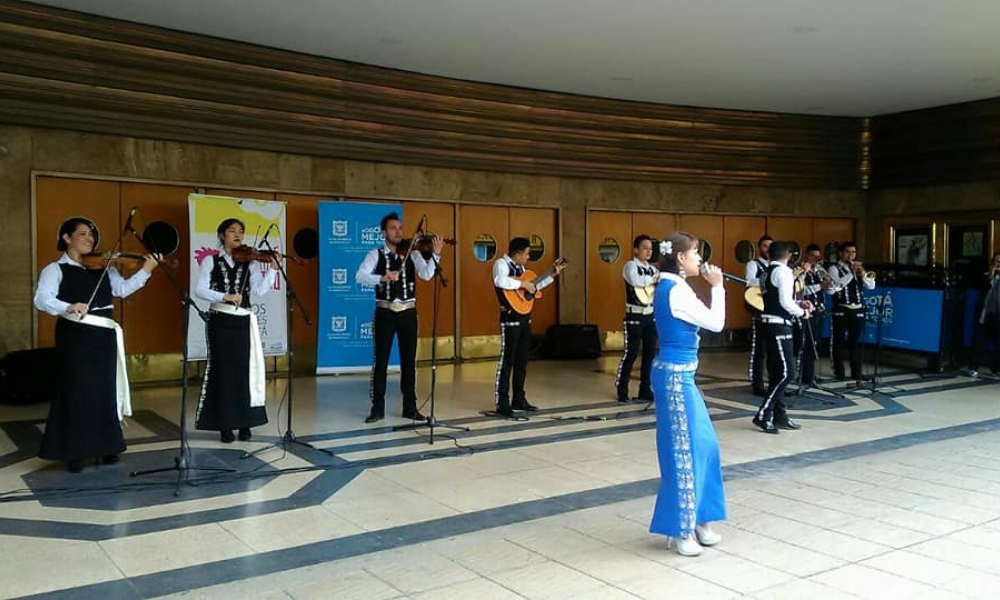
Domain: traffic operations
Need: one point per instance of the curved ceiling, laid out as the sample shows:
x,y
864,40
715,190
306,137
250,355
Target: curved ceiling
x,y
843,57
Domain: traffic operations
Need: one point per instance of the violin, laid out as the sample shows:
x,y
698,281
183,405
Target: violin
x,y
101,260
423,244
249,253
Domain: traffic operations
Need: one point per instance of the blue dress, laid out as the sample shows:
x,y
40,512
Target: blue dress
x,y
688,450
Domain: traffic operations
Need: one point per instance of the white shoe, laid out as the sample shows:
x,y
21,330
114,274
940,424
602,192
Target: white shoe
x,y
685,547
706,537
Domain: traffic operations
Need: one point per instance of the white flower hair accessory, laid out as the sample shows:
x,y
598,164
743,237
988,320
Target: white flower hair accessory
x,y
666,247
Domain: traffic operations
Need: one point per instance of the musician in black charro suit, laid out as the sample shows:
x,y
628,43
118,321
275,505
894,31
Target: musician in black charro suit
x,y
640,328
395,312
758,336
515,328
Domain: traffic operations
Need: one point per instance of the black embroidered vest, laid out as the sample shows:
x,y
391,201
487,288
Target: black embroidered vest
x,y
403,288
78,284
772,300
513,270
643,271
229,280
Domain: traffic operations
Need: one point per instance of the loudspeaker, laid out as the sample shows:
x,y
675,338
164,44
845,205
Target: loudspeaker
x,y
27,376
572,340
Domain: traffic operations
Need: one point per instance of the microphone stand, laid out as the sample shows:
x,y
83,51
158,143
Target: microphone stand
x,y
293,300
432,422
872,387
809,341
182,462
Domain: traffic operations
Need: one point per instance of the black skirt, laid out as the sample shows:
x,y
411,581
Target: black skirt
x,y
224,403
83,417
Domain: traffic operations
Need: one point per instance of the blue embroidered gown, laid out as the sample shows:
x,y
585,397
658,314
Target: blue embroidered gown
x,y
688,450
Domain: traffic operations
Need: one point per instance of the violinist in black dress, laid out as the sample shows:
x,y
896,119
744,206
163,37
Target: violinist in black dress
x,y
92,394
232,392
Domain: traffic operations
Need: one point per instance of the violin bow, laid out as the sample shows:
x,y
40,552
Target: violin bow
x,y
104,272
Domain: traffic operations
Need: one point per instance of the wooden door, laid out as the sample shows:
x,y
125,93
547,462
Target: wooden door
x,y
609,247
736,229
301,212
58,199
834,230
791,229
707,228
539,226
483,235
153,317
656,225
440,221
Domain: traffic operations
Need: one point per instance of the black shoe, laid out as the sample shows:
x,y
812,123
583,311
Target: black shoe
x,y
788,424
244,435
74,466
765,426
524,405
374,416
227,436
414,415
111,459
623,398
839,376
504,412
760,392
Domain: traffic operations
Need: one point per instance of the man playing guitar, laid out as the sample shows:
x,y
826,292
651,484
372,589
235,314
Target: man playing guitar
x,y
640,329
515,326
758,344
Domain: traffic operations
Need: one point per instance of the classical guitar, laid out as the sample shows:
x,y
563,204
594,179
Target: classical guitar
x,y
521,300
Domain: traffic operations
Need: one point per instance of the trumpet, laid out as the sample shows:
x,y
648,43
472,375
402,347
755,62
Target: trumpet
x,y
870,275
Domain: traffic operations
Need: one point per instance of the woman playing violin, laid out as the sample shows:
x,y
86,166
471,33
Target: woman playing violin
x,y
92,395
232,392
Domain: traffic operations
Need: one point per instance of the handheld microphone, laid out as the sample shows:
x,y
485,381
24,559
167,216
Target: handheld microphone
x,y
725,276
131,215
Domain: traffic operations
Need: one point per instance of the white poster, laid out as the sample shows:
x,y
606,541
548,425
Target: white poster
x,y
258,216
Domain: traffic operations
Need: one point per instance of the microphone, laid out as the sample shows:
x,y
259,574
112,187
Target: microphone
x,y
131,215
726,276
266,232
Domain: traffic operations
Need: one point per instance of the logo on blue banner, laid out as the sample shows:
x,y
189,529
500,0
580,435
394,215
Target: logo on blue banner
x,y
348,232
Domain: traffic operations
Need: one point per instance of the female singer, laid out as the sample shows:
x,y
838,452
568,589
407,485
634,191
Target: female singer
x,y
690,494
232,393
92,395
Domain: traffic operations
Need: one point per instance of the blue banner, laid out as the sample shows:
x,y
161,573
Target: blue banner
x,y
347,231
911,318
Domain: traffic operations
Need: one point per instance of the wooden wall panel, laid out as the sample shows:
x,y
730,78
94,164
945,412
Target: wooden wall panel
x,y
479,307
736,229
301,212
57,199
440,220
834,230
153,317
81,72
540,222
791,229
605,287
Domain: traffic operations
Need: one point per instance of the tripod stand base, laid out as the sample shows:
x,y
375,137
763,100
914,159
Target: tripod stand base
x,y
182,465
288,438
432,423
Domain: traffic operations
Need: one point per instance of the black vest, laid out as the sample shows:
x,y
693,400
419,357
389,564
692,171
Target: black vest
x,y
851,293
403,288
513,270
231,280
772,301
643,271
78,284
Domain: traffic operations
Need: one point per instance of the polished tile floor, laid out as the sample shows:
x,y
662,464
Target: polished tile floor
x,y
890,494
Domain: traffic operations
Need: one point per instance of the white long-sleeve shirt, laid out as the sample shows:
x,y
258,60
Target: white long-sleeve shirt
x,y
367,276
783,279
260,283
51,277
842,274
687,306
754,269
630,272
502,279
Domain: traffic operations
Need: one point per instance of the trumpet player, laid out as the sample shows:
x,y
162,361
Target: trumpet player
x,y
987,325
849,282
815,281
